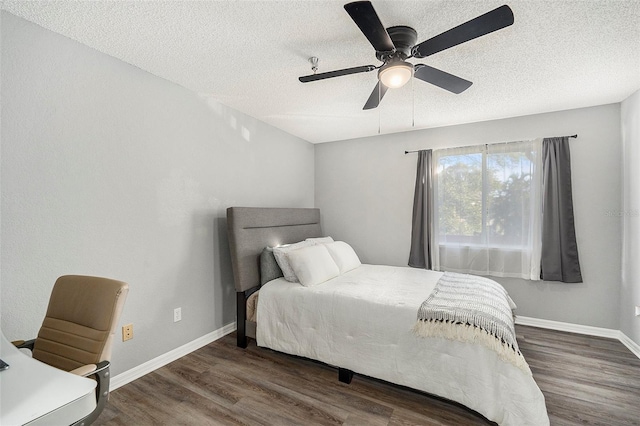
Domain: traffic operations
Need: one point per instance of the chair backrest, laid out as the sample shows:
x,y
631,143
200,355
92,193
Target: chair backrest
x,y
81,320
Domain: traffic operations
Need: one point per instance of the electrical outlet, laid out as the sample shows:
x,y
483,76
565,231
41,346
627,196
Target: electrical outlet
x,y
127,332
638,311
177,314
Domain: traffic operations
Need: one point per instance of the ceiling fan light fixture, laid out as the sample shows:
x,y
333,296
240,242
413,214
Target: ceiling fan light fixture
x,y
395,74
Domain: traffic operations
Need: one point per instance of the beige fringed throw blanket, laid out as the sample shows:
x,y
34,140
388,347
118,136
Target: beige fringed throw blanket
x,y
471,309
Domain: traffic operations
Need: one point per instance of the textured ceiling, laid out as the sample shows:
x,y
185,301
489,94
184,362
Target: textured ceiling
x,y
248,54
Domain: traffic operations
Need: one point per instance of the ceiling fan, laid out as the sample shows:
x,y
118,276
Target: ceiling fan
x,y
394,45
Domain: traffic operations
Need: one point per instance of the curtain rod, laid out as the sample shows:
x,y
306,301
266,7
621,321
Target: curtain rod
x,y
418,150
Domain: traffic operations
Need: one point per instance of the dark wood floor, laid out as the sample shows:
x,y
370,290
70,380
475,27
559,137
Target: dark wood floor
x,y
585,380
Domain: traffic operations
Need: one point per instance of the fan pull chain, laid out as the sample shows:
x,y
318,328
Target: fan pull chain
x,y
413,107
379,99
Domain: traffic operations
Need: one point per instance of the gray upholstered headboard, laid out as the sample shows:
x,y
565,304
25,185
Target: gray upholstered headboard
x,y
251,229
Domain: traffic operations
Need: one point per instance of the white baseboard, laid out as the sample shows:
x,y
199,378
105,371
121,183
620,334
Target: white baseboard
x,y
581,329
633,346
569,327
164,359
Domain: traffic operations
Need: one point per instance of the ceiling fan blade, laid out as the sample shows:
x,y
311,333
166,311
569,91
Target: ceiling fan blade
x,y
336,73
366,18
484,24
376,96
441,79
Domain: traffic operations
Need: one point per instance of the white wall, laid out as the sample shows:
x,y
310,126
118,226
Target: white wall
x,y
108,170
364,188
630,292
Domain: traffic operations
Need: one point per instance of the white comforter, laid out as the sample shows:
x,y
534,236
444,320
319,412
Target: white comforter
x,y
362,321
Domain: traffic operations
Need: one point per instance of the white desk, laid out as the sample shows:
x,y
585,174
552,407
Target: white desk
x,y
35,393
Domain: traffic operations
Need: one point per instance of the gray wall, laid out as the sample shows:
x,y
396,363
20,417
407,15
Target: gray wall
x,y
108,170
630,292
364,188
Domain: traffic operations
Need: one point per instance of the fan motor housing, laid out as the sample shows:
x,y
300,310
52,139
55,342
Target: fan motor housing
x,y
404,38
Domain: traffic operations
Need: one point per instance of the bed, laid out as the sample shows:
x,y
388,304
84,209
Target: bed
x,y
364,321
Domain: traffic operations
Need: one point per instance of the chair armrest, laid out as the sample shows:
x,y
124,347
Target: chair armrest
x,y
22,344
102,368
84,370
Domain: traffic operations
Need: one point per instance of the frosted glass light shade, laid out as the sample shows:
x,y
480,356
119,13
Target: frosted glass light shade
x,y
395,74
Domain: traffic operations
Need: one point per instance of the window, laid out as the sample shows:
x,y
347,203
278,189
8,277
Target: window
x,y
487,211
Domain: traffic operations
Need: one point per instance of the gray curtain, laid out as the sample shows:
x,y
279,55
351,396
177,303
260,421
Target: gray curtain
x,y
559,260
422,222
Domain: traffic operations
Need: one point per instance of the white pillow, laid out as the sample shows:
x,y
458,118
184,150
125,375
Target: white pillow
x,y
280,254
320,240
344,256
313,265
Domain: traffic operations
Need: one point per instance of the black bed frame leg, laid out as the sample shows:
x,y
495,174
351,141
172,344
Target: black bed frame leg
x,y
241,330
243,342
345,375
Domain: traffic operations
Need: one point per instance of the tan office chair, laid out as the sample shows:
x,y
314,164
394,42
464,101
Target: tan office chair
x,y
78,329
